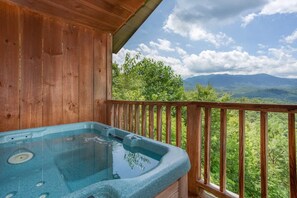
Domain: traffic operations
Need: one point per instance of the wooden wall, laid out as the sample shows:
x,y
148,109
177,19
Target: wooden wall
x,y
51,72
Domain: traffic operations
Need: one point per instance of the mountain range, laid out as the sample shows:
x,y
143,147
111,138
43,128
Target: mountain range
x,y
250,86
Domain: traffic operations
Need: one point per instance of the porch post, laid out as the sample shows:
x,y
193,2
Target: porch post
x,y
194,147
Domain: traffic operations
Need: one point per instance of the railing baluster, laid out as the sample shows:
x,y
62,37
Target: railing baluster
x,y
110,113
292,155
223,138
151,121
120,116
194,146
116,115
264,152
241,152
143,115
137,119
159,123
178,126
168,124
130,117
207,124
125,116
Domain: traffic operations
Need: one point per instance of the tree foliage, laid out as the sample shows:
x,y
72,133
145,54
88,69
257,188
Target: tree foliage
x,y
146,79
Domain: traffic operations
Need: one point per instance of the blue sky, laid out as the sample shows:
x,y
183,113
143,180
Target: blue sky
x,y
214,37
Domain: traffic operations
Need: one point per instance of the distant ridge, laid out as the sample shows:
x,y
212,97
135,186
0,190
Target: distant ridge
x,y
225,81
251,86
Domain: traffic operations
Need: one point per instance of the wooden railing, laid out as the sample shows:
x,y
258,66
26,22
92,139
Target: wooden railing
x,y
145,118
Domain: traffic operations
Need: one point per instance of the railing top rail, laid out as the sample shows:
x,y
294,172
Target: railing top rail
x,y
233,106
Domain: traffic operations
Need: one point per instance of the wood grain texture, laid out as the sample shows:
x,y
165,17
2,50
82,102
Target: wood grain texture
x,y
207,136
292,154
143,120
9,67
31,71
137,119
194,146
159,123
70,74
116,115
52,73
125,119
178,126
100,77
223,150
86,74
131,117
48,72
121,116
264,152
168,124
105,16
241,152
151,121
178,189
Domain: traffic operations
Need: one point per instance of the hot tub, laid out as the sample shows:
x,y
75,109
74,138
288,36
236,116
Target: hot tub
x,y
86,159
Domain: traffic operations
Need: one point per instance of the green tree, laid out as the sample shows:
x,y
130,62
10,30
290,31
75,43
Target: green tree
x,y
146,79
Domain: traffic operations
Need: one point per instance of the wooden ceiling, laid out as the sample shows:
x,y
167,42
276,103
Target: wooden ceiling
x,y
104,15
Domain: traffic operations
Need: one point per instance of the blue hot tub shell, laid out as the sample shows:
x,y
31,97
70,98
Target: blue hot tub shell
x,y
173,165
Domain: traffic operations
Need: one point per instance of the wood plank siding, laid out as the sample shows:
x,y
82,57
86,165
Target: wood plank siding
x,y
52,71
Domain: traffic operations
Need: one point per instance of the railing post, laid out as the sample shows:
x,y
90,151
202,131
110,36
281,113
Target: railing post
x,y
264,152
194,146
241,152
292,155
223,142
207,126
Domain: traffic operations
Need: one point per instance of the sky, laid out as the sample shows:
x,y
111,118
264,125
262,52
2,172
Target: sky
x,y
220,37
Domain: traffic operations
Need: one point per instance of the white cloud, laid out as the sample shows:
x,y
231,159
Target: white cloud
x,y
274,61
196,32
145,49
247,19
181,51
198,20
272,7
279,7
291,38
162,44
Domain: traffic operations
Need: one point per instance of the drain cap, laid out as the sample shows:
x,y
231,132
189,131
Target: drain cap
x,y
20,158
